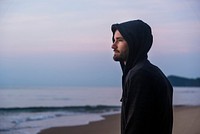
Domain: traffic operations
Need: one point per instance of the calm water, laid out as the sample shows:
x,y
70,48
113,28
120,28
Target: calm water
x,y
27,111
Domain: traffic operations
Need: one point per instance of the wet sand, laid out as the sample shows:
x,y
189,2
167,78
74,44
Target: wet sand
x,y
186,121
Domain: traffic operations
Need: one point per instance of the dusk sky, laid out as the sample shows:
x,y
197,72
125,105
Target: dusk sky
x,y
68,42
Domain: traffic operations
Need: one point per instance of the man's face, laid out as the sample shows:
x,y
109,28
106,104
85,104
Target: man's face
x,y
120,47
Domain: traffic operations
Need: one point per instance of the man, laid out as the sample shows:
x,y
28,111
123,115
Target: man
x,y
147,93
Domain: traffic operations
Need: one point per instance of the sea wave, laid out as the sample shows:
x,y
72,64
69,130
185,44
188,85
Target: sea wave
x,y
15,119
84,109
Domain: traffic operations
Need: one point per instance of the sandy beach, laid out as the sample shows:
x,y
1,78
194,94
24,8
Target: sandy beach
x,y
186,121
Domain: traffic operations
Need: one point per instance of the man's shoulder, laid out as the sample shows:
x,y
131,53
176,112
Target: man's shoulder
x,y
147,70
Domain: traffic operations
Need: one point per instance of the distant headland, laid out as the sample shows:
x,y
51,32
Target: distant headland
x,y
178,81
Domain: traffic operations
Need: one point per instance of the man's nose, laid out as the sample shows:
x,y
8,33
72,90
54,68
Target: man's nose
x,y
114,46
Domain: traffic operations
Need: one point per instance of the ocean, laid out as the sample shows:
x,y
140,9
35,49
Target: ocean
x,y
29,110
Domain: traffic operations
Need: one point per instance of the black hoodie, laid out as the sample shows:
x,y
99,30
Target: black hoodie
x,y
147,93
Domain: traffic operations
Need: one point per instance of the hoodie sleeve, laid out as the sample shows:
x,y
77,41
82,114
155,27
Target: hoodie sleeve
x,y
139,104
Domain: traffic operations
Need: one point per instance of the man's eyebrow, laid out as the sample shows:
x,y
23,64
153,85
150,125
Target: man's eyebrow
x,y
119,38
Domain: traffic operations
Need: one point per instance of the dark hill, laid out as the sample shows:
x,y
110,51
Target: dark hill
x,y
184,82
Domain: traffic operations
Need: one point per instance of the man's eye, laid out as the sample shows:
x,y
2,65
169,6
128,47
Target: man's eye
x,y
120,40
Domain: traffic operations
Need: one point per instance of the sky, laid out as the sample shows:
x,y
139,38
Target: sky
x,y
68,42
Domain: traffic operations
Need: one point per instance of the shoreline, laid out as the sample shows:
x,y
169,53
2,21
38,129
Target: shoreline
x,y
186,121
109,125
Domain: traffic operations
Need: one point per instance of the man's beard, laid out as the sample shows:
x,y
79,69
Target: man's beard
x,y
120,56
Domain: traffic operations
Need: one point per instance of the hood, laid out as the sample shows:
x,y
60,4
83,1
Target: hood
x,y
139,38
